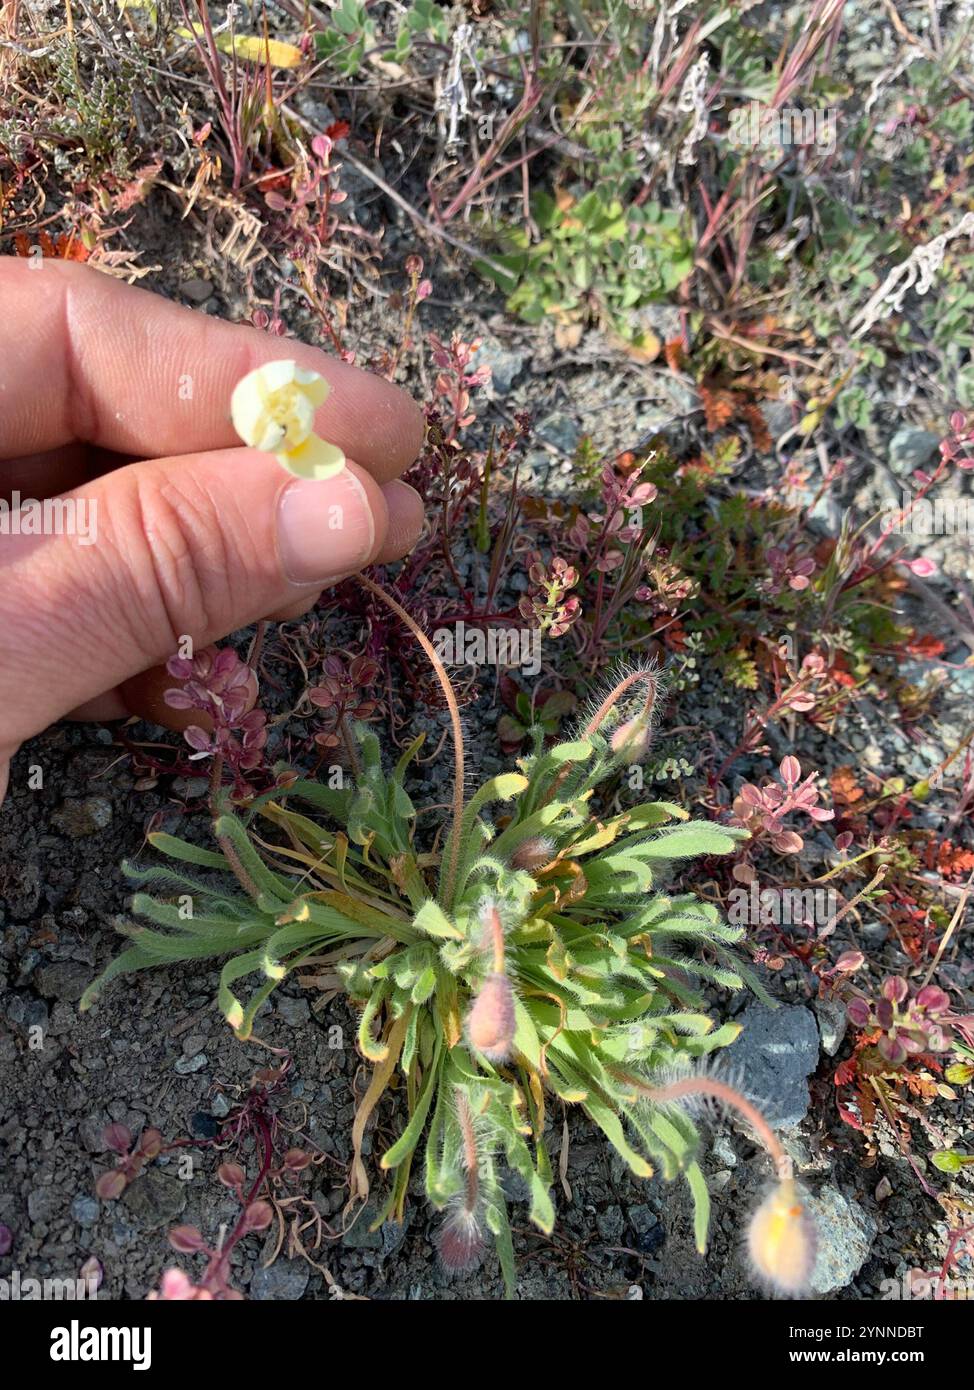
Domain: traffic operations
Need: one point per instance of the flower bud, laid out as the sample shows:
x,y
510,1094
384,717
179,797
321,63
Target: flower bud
x,y
632,737
781,1239
491,1022
460,1242
533,853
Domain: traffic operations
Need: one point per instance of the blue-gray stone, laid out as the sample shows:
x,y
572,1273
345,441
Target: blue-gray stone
x,y
845,1233
775,1053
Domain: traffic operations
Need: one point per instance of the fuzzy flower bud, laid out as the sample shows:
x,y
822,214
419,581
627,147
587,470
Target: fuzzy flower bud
x,y
273,409
460,1242
533,853
781,1239
491,1022
632,737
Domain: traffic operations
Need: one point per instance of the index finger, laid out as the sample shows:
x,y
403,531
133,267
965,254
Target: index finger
x,y
86,357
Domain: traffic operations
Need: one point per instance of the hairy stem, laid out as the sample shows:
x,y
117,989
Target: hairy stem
x,y
450,872
240,873
708,1086
614,696
470,1160
495,934
612,699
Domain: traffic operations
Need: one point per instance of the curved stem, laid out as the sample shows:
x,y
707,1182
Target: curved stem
x,y
470,1157
708,1086
615,695
450,874
495,931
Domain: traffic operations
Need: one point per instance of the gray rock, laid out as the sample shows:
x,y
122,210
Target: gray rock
x,y
22,1011
723,1151
560,430
186,1065
662,319
154,1200
220,1105
962,681
642,1219
832,1024
294,1012
359,1237
845,1235
193,1044
284,1280
611,1223
81,818
191,786
393,1235
505,366
65,980
42,1204
778,415
196,290
91,1131
775,1053
85,1210
911,448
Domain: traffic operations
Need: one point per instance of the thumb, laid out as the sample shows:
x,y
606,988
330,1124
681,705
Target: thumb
x,y
195,547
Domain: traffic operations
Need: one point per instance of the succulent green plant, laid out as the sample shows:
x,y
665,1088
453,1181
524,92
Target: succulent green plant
x,y
537,955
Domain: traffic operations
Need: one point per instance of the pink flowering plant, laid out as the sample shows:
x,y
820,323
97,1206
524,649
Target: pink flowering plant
x,y
549,606
342,693
762,810
456,378
221,686
789,569
910,1022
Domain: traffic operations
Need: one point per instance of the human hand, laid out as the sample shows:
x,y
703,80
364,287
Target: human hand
x,y
118,402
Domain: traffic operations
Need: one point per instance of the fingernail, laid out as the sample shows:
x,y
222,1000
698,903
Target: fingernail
x,y
324,528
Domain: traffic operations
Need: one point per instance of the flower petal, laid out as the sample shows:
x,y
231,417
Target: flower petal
x,y
315,387
315,458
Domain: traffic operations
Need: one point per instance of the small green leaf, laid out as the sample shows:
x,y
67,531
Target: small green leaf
x,y
433,920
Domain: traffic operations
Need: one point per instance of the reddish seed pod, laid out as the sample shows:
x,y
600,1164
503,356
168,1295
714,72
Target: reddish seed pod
x,y
491,1022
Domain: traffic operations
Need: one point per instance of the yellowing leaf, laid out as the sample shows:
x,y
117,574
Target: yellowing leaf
x,y
252,49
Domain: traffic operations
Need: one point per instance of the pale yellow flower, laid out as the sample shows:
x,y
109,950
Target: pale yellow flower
x,y
781,1239
273,409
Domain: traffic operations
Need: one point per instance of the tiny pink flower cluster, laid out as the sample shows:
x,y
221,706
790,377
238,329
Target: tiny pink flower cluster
x,y
909,1025
623,496
456,379
961,442
219,684
546,606
761,810
343,691
788,569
